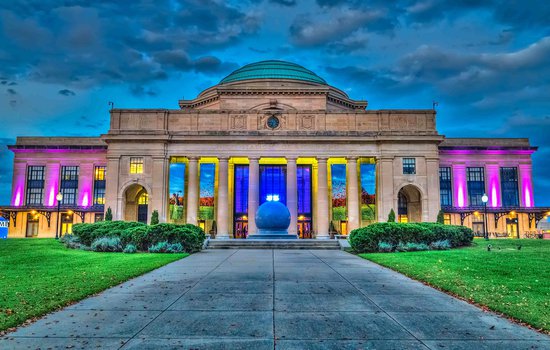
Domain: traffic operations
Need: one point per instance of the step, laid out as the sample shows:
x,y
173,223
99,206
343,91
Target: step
x,y
273,244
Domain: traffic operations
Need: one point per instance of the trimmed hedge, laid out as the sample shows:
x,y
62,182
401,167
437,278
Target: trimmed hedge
x,y
367,239
191,237
87,233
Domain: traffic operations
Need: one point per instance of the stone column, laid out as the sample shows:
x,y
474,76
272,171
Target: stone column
x,y
292,194
253,193
323,215
354,218
193,191
222,212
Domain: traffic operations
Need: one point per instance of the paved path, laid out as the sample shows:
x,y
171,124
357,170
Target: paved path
x,y
254,299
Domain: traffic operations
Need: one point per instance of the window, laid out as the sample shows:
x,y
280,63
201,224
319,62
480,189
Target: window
x,y
66,223
99,217
99,185
402,208
136,165
509,187
69,184
447,219
476,185
409,166
143,199
445,188
35,185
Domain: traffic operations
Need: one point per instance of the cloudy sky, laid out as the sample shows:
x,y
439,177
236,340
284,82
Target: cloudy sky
x,y
485,61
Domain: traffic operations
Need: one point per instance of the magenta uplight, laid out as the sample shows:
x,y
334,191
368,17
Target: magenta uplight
x,y
493,176
459,175
17,198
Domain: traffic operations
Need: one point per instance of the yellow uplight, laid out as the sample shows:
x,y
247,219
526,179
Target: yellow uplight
x,y
69,212
33,212
476,213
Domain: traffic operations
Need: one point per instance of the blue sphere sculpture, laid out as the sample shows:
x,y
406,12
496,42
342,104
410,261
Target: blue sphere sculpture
x,y
273,216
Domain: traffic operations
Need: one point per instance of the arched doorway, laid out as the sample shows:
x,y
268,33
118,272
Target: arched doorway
x,y
137,204
409,204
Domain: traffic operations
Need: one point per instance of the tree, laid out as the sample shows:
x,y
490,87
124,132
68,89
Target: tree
x,y
155,217
440,217
109,215
391,216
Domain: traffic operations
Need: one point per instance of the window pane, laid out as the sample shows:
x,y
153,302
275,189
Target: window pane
x,y
35,185
445,188
69,184
476,185
409,166
99,185
136,165
509,186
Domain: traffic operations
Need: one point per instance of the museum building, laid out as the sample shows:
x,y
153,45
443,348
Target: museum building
x,y
272,130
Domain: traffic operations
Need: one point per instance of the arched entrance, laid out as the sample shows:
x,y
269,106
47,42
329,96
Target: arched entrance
x,y
137,203
409,204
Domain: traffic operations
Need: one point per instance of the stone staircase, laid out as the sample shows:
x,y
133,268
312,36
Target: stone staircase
x,y
325,244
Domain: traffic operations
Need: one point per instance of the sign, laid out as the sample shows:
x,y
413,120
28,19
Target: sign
x,y
4,228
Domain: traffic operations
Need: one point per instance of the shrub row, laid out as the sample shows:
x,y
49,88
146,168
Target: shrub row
x,y
142,236
367,239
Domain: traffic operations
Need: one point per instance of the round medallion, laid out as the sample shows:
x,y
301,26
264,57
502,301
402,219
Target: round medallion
x,y
273,122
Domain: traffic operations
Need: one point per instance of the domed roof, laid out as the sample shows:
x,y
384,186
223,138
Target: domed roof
x,y
273,69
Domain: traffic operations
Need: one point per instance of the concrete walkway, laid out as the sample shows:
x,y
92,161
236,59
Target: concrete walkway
x,y
266,299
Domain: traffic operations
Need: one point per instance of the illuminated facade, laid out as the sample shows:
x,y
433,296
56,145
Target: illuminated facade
x,y
272,130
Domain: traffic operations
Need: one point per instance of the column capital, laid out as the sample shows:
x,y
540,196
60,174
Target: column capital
x,y
193,158
352,159
223,159
291,158
254,159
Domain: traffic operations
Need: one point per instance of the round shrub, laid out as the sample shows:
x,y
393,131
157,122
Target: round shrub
x,y
107,244
130,249
367,239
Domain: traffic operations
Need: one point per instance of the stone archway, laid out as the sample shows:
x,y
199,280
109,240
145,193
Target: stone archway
x,y
410,203
136,203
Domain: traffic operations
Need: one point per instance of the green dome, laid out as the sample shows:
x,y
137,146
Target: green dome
x,y
273,70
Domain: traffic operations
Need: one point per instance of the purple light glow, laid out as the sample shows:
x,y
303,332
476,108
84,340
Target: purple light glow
x,y
85,200
494,185
85,194
459,178
527,186
17,198
527,193
52,184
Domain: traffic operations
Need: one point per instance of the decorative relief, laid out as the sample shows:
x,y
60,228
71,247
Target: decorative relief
x,y
238,122
307,122
265,121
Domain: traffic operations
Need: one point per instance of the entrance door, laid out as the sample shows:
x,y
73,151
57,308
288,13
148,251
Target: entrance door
x,y
32,225
304,229
512,227
142,213
241,229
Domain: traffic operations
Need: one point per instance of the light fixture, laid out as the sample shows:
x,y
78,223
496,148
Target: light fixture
x,y
484,198
59,197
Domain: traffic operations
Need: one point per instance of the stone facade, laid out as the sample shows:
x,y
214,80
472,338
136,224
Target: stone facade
x,y
229,124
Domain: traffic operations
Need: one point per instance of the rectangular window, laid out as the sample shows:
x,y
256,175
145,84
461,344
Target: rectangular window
x,y
136,165
98,217
509,186
99,185
241,190
35,185
409,166
447,219
445,188
69,184
476,185
303,178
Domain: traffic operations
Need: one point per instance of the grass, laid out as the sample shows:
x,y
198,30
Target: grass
x,y
507,280
41,275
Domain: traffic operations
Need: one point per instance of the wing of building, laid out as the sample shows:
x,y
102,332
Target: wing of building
x,y
272,130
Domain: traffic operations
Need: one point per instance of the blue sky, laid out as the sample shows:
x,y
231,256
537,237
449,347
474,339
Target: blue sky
x,y
485,62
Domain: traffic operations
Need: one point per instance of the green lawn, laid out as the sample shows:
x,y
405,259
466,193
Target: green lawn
x,y
41,275
514,282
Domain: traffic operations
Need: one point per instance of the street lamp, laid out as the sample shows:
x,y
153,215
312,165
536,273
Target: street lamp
x,y
485,199
59,198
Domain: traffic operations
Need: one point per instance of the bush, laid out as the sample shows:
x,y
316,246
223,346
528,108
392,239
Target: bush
x,y
385,247
391,216
130,249
155,217
411,247
109,215
165,247
107,244
366,239
441,245
87,233
70,241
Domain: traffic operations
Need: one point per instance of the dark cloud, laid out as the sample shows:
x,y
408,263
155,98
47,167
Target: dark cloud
x,y
142,91
86,44
284,2
11,91
341,22
66,92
